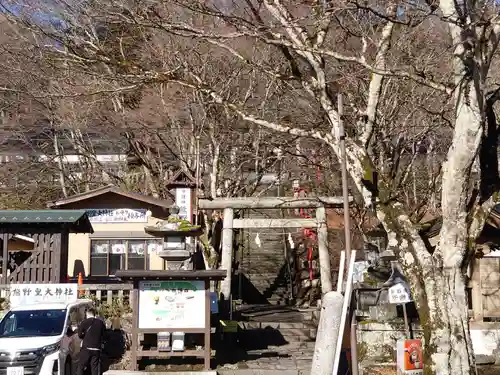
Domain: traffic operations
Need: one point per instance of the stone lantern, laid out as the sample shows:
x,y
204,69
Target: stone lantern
x,y
177,251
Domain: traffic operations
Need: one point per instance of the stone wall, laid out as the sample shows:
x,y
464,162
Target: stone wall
x,y
377,342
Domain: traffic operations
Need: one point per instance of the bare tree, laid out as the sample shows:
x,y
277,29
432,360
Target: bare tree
x,y
305,53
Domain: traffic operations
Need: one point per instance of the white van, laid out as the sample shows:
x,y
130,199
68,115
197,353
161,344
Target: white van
x,y
39,339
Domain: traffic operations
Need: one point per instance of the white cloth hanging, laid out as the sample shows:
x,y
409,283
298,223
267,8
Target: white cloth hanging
x,y
290,241
257,240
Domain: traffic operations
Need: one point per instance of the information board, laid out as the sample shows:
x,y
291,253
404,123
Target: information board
x,y
29,294
172,304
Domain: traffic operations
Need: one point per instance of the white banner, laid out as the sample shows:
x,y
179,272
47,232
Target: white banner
x,y
119,215
183,201
29,294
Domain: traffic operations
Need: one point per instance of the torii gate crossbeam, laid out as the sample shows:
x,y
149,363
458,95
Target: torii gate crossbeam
x,y
228,205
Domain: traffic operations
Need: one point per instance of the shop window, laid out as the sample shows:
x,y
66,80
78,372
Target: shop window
x,y
109,256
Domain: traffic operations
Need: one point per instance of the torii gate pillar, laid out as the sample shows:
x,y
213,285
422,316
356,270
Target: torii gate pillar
x,y
227,251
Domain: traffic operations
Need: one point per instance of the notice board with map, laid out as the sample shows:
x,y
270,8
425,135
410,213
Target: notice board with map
x,y
172,304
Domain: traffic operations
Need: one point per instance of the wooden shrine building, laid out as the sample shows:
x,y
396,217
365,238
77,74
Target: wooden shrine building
x,y
47,261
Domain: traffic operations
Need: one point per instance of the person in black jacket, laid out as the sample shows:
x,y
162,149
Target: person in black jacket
x,y
91,331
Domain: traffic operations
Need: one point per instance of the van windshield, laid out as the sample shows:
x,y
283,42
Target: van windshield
x,y
33,323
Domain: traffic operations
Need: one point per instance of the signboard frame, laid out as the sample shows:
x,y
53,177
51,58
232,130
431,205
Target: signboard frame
x,y
173,304
138,352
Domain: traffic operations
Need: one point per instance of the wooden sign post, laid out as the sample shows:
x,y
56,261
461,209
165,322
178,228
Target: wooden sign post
x,y
167,302
409,350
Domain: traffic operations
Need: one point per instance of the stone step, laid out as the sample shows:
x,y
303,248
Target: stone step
x,y
278,302
263,236
278,287
270,254
265,257
286,350
262,266
311,314
275,258
272,294
310,318
276,244
292,335
270,284
265,277
276,283
267,283
288,335
253,266
277,325
276,295
257,269
259,277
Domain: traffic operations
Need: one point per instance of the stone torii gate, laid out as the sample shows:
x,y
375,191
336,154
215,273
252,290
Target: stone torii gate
x,y
228,205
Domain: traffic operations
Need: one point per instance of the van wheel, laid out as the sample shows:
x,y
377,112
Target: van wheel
x,y
67,367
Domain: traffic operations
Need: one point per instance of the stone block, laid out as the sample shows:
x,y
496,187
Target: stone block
x,y
485,359
383,313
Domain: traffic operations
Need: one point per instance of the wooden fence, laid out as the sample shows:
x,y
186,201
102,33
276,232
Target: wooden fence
x,y
485,289
107,292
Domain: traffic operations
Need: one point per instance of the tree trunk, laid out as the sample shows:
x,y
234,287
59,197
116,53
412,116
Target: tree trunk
x,y
60,165
214,173
445,319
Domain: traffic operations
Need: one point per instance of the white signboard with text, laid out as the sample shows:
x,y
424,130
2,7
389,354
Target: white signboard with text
x,y
398,294
119,215
29,294
183,201
172,304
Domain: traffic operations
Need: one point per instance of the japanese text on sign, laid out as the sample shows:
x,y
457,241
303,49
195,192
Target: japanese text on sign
x,y
183,201
122,215
398,294
22,294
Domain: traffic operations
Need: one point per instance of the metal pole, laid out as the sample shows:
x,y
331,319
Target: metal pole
x,y
340,280
5,258
407,325
354,342
196,204
345,313
347,229
343,165
227,253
